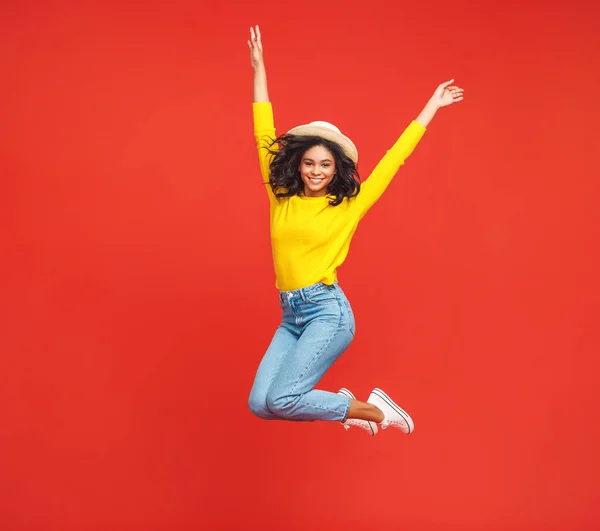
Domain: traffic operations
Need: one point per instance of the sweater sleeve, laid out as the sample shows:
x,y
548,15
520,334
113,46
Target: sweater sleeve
x,y
264,132
380,178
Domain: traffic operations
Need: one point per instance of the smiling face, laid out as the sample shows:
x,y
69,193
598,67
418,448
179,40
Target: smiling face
x,y
317,169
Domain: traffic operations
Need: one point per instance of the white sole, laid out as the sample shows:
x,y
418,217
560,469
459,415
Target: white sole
x,y
385,399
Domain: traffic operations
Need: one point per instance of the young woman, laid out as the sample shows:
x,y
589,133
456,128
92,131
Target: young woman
x,y
316,202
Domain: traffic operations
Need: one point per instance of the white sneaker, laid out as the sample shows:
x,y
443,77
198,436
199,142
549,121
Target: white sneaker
x,y
393,414
367,425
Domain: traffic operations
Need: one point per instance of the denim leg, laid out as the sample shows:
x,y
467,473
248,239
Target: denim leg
x,y
282,344
326,335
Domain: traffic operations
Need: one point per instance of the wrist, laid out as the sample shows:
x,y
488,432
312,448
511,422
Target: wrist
x,y
433,105
428,113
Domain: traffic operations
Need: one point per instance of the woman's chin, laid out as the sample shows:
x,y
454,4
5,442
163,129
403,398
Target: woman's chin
x,y
315,189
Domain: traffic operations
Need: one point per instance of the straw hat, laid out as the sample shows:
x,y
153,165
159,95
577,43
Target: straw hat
x,y
328,132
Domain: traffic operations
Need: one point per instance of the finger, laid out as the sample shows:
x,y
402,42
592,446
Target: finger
x,y
258,39
446,83
252,34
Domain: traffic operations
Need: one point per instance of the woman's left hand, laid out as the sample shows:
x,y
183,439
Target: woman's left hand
x,y
447,94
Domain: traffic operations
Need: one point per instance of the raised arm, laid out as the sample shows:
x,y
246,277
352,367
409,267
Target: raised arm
x,y
264,126
261,94
372,189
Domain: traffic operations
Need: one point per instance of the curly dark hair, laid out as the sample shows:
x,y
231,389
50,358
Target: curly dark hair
x,y
285,179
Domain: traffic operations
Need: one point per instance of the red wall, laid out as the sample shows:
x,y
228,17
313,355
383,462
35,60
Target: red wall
x,y
138,291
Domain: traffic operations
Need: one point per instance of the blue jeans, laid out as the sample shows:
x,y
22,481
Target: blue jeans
x,y
317,326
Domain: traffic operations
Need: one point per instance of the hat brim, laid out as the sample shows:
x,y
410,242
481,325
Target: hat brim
x,y
341,140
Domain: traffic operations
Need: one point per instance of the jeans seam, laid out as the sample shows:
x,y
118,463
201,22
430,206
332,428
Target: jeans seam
x,y
347,410
318,353
344,414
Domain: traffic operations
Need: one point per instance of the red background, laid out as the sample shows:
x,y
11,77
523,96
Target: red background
x,y
138,292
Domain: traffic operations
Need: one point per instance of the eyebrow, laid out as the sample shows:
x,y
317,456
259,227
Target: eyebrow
x,y
311,160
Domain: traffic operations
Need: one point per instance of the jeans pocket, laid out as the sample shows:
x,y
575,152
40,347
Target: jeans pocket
x,y
321,297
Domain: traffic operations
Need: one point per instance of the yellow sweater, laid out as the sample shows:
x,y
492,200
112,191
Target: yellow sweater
x,y
310,238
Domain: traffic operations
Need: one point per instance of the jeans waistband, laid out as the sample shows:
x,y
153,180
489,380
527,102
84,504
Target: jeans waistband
x,y
306,290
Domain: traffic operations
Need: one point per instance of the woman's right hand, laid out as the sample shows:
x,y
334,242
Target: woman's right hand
x,y
256,48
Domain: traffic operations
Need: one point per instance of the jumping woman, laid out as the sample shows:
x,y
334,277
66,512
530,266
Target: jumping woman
x,y
316,202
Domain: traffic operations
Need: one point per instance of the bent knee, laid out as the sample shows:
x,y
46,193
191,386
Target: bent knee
x,y
259,407
281,405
